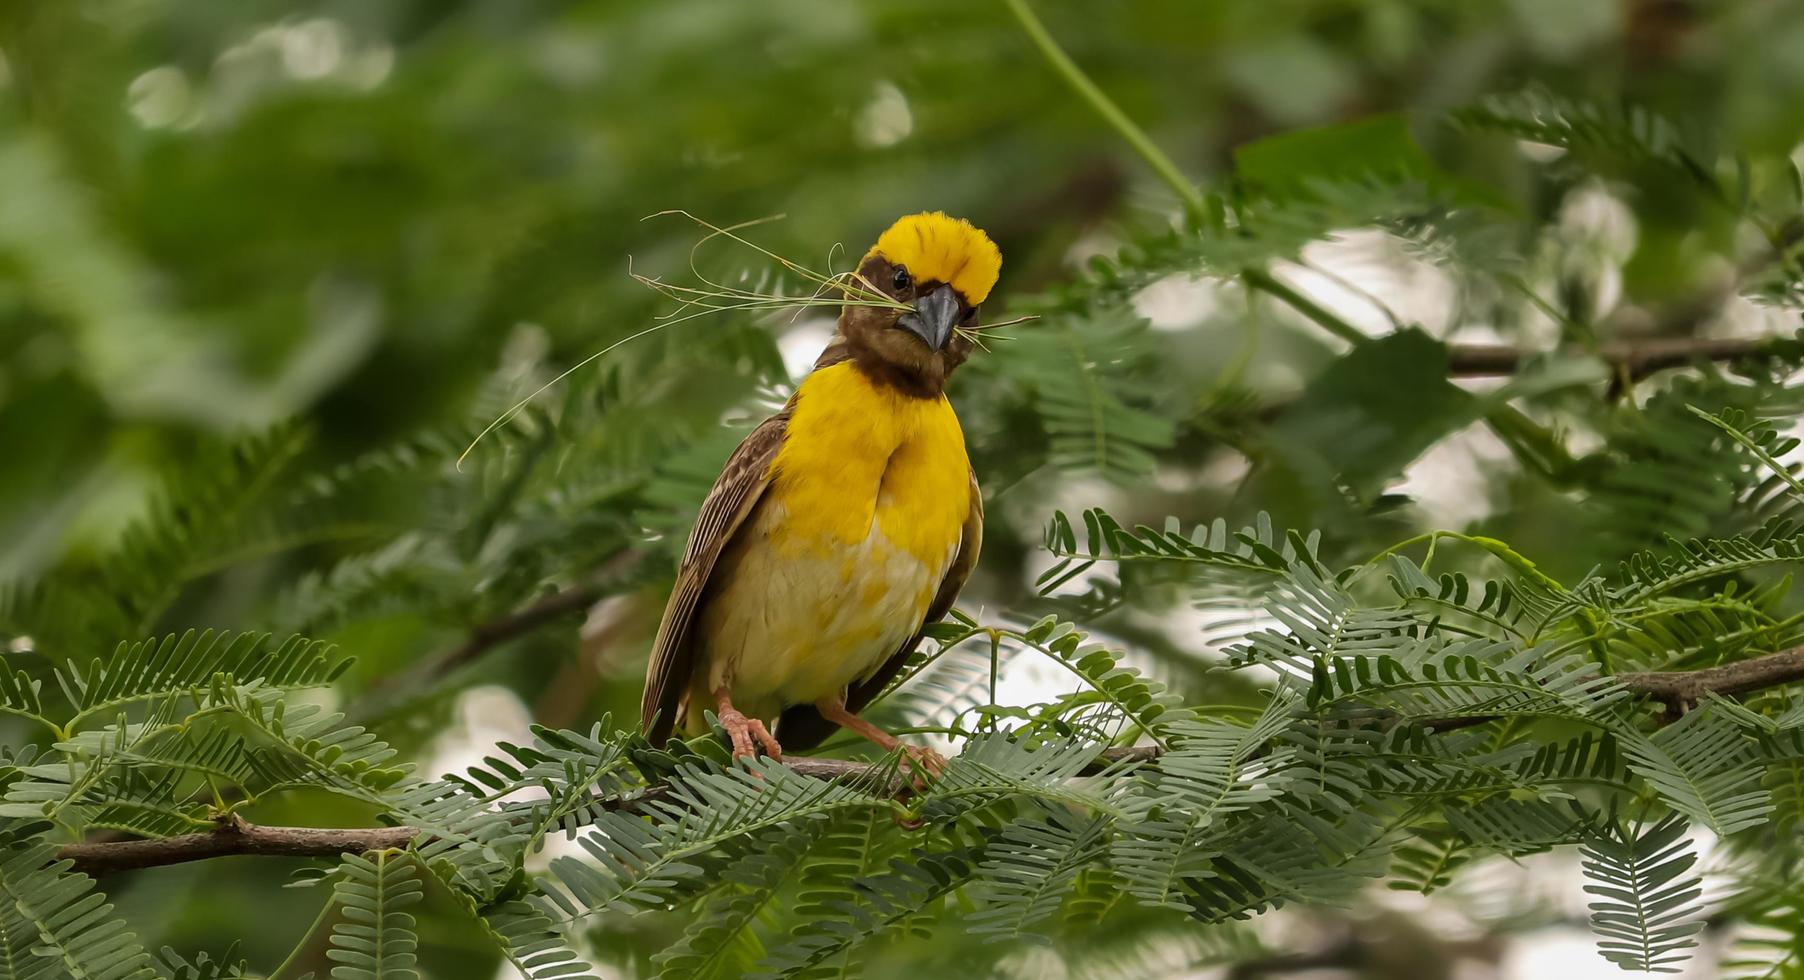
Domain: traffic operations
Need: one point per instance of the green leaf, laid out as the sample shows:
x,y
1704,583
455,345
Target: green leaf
x,y
1030,868
1370,414
374,939
19,695
531,941
1086,376
1172,809
1702,765
204,966
877,903
640,861
718,941
194,661
54,926
1306,162
1646,912
1380,144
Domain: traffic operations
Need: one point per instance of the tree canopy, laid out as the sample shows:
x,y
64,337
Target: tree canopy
x,y
1392,471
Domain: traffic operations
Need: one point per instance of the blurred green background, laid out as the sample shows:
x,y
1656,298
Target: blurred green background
x,y
374,225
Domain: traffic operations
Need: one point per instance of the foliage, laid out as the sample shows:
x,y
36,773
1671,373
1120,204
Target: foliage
x,y
1315,616
1643,902
375,940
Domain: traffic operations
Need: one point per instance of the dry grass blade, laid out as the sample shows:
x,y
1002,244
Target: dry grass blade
x,y
831,289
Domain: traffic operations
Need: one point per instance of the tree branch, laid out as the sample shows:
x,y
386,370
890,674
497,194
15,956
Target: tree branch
x,y
235,836
1683,689
489,635
1637,357
1271,285
1679,690
386,693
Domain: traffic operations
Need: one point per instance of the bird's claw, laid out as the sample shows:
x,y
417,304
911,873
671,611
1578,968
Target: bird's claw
x,y
744,732
766,740
924,760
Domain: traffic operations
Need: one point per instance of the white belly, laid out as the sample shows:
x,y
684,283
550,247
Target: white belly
x,y
794,625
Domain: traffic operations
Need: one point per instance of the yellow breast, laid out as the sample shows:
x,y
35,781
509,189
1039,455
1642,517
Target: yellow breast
x,y
836,567
858,453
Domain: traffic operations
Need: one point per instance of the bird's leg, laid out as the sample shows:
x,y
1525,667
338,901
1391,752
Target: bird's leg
x,y
742,730
834,710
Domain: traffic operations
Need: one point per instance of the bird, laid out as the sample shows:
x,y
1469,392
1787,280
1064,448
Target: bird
x,y
843,525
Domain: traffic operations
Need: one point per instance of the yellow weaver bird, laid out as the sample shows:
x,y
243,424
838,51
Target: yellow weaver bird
x,y
842,525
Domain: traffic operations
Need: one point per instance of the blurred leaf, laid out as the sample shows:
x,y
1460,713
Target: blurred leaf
x,y
1367,417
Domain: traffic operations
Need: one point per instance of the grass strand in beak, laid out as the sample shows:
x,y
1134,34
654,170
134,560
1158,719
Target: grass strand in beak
x,y
832,289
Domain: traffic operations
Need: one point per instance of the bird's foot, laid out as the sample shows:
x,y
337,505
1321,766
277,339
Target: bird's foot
x,y
924,760
921,759
765,739
744,732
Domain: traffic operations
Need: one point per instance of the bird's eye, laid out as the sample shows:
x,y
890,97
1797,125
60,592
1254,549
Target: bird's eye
x,y
903,279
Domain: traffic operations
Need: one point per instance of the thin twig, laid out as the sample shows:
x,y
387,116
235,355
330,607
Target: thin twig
x,y
386,693
1276,288
1638,358
1105,107
1149,151
1681,690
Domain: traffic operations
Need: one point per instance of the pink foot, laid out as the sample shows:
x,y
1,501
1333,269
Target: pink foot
x,y
744,732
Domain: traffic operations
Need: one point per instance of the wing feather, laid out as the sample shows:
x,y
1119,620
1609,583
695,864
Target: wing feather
x,y
802,727
740,485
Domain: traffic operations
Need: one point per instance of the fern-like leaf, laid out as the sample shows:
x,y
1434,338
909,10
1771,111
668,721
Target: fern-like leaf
x,y
54,926
877,903
1646,912
529,940
1085,375
718,941
190,663
641,861
1140,700
1029,868
229,966
1701,766
19,696
374,938
1208,775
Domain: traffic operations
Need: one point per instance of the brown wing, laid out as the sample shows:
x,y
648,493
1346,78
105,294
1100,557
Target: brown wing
x,y
802,727
735,493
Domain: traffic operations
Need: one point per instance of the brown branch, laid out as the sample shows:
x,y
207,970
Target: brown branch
x,y
492,634
1683,689
383,696
547,610
238,837
1678,689
1670,345
1637,358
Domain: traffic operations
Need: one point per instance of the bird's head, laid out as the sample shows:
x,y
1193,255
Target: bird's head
x,y
942,269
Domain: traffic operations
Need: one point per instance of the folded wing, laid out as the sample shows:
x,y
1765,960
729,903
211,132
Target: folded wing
x,y
741,484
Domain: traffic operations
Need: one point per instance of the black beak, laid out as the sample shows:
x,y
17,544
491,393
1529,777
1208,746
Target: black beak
x,y
933,317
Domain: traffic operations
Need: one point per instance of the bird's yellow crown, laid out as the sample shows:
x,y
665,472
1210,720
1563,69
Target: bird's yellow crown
x,y
936,248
